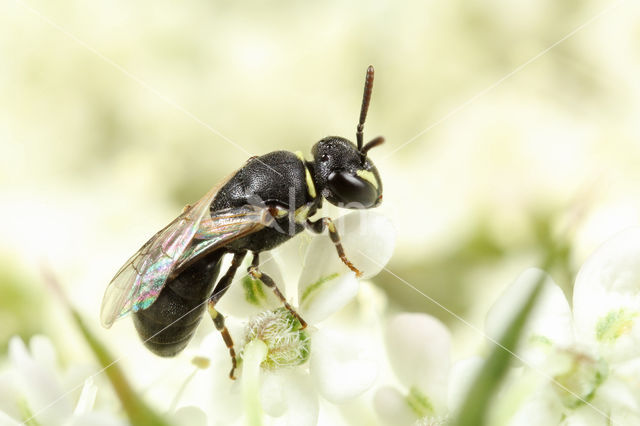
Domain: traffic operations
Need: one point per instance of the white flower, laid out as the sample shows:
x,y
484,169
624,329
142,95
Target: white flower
x,y
584,364
419,349
33,389
329,358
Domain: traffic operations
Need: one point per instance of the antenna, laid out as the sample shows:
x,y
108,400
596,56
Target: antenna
x,y
366,98
371,144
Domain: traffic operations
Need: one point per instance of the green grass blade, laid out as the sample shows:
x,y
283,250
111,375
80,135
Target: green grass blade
x,y
138,412
475,408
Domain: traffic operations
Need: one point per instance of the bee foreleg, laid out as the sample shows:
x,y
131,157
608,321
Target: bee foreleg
x,y
319,226
217,317
256,274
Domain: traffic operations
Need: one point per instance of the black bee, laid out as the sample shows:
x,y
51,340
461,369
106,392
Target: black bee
x,y
260,206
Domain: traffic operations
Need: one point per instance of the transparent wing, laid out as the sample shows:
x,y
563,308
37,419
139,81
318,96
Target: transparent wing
x,y
137,284
226,225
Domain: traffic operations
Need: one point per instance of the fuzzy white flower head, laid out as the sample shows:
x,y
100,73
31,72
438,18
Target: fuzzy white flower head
x,y
287,344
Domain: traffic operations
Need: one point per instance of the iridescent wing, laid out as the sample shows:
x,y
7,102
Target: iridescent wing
x,y
225,226
137,284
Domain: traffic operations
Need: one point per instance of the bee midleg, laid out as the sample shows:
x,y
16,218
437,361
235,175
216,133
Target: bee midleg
x,y
217,317
256,274
319,226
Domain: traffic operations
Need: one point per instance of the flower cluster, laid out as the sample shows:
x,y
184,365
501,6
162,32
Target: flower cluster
x,y
358,363
34,390
580,364
332,361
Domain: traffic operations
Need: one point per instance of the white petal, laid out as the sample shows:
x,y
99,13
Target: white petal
x,y
327,296
549,323
87,397
624,417
5,420
368,239
273,392
419,348
290,398
189,416
537,411
94,419
340,370
618,395
606,297
462,375
392,407
526,398
628,372
39,386
43,352
211,389
8,393
326,284
245,297
587,416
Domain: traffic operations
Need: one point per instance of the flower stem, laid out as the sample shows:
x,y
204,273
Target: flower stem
x,y
254,353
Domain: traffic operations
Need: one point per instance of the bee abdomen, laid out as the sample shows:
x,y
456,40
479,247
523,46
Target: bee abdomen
x,y
170,322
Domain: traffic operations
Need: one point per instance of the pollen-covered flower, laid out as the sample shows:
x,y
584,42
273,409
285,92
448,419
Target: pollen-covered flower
x,y
287,343
581,364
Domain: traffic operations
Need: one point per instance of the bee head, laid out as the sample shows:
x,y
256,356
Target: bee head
x,y
344,174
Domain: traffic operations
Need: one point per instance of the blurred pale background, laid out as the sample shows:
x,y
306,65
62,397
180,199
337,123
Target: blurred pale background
x,y
113,115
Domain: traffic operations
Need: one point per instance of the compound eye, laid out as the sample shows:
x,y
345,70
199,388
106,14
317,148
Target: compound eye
x,y
324,158
352,191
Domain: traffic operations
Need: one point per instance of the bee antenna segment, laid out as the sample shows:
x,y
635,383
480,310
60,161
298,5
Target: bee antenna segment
x,y
366,98
371,144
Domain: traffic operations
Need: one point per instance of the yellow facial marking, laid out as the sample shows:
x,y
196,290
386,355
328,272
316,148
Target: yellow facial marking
x,y
311,188
368,176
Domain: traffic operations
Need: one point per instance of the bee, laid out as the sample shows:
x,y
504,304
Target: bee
x,y
168,282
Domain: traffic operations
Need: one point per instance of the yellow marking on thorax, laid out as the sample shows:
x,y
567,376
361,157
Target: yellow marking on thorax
x,y
368,176
311,188
302,213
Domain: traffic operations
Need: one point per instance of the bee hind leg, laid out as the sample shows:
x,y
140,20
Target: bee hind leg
x,y
217,318
257,274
